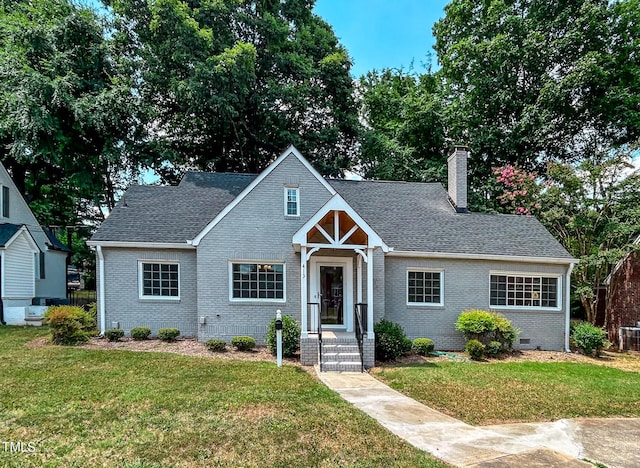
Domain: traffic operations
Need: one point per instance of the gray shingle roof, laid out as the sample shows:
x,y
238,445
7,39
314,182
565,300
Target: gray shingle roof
x,y
171,214
409,216
7,231
418,217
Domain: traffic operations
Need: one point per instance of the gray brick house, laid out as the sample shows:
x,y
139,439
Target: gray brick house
x,y
218,254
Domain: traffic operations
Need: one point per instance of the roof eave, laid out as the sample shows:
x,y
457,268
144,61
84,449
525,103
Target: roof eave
x,y
140,245
468,256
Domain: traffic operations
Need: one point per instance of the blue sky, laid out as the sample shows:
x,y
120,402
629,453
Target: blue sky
x,y
384,33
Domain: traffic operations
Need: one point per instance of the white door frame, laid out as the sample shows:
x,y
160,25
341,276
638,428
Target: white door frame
x,y
314,286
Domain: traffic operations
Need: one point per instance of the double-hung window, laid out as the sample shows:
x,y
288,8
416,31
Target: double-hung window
x,y
159,280
258,281
291,201
425,287
509,290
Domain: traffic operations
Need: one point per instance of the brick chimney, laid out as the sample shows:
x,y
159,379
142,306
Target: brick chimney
x,y
457,164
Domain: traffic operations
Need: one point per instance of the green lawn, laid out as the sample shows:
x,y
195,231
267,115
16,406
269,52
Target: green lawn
x,y
497,393
118,408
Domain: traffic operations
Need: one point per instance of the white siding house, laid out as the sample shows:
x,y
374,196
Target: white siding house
x,y
32,260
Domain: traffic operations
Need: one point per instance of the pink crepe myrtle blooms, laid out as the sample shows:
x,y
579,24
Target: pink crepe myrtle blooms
x,y
519,189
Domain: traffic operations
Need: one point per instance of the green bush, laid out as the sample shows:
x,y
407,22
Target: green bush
x,y
114,334
486,327
423,346
290,336
217,346
140,333
243,343
493,348
168,334
589,339
69,325
475,349
390,341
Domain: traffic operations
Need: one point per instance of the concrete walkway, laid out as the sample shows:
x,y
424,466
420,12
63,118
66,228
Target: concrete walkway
x,y
559,443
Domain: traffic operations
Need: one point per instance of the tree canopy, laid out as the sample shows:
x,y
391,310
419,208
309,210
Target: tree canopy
x,y
66,114
229,84
528,82
403,138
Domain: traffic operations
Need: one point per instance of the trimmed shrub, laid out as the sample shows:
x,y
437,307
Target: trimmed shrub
x,y
217,346
423,346
243,343
92,310
69,325
589,339
493,348
485,327
290,336
475,349
114,334
140,333
391,342
168,334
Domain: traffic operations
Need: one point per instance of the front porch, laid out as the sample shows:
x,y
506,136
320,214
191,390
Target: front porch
x,y
336,288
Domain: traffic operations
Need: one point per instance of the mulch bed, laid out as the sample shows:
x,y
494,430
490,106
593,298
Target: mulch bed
x,y
184,346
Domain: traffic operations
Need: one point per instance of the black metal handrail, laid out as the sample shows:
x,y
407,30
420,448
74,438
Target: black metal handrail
x,y
319,322
360,330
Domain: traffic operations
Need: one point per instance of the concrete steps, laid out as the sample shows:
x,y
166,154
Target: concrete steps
x,y
340,354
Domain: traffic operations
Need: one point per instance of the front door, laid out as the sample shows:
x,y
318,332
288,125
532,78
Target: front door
x,y
331,285
331,295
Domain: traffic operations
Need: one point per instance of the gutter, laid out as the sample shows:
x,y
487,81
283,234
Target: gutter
x,y
101,308
567,305
470,256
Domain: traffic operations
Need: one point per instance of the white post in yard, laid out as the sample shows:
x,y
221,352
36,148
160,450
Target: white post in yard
x,y
279,337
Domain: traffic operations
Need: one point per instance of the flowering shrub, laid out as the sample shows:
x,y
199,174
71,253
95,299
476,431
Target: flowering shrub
x,y
521,191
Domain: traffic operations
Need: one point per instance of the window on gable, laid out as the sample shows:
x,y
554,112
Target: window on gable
x,y
5,201
43,268
524,291
424,287
257,281
291,201
160,280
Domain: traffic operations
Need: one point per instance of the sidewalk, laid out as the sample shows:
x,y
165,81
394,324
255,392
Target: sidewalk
x,y
452,440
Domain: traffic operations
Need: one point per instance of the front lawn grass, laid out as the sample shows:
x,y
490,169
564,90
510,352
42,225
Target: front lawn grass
x,y
499,393
120,408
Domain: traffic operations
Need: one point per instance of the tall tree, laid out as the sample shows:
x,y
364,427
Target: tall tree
x,y
231,83
535,81
404,132
592,208
66,114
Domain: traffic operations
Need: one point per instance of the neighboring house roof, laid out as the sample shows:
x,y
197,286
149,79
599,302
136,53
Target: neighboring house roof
x,y
55,243
7,231
408,216
171,214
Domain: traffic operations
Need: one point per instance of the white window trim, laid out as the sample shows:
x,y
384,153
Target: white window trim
x,y
141,295
257,300
286,196
426,270
558,278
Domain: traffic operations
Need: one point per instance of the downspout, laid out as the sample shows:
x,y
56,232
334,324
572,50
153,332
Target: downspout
x,y
567,304
101,311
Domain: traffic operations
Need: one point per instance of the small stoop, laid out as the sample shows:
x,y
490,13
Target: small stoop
x,y
340,353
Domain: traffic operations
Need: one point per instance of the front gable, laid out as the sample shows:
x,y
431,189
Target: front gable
x,y
337,225
267,192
